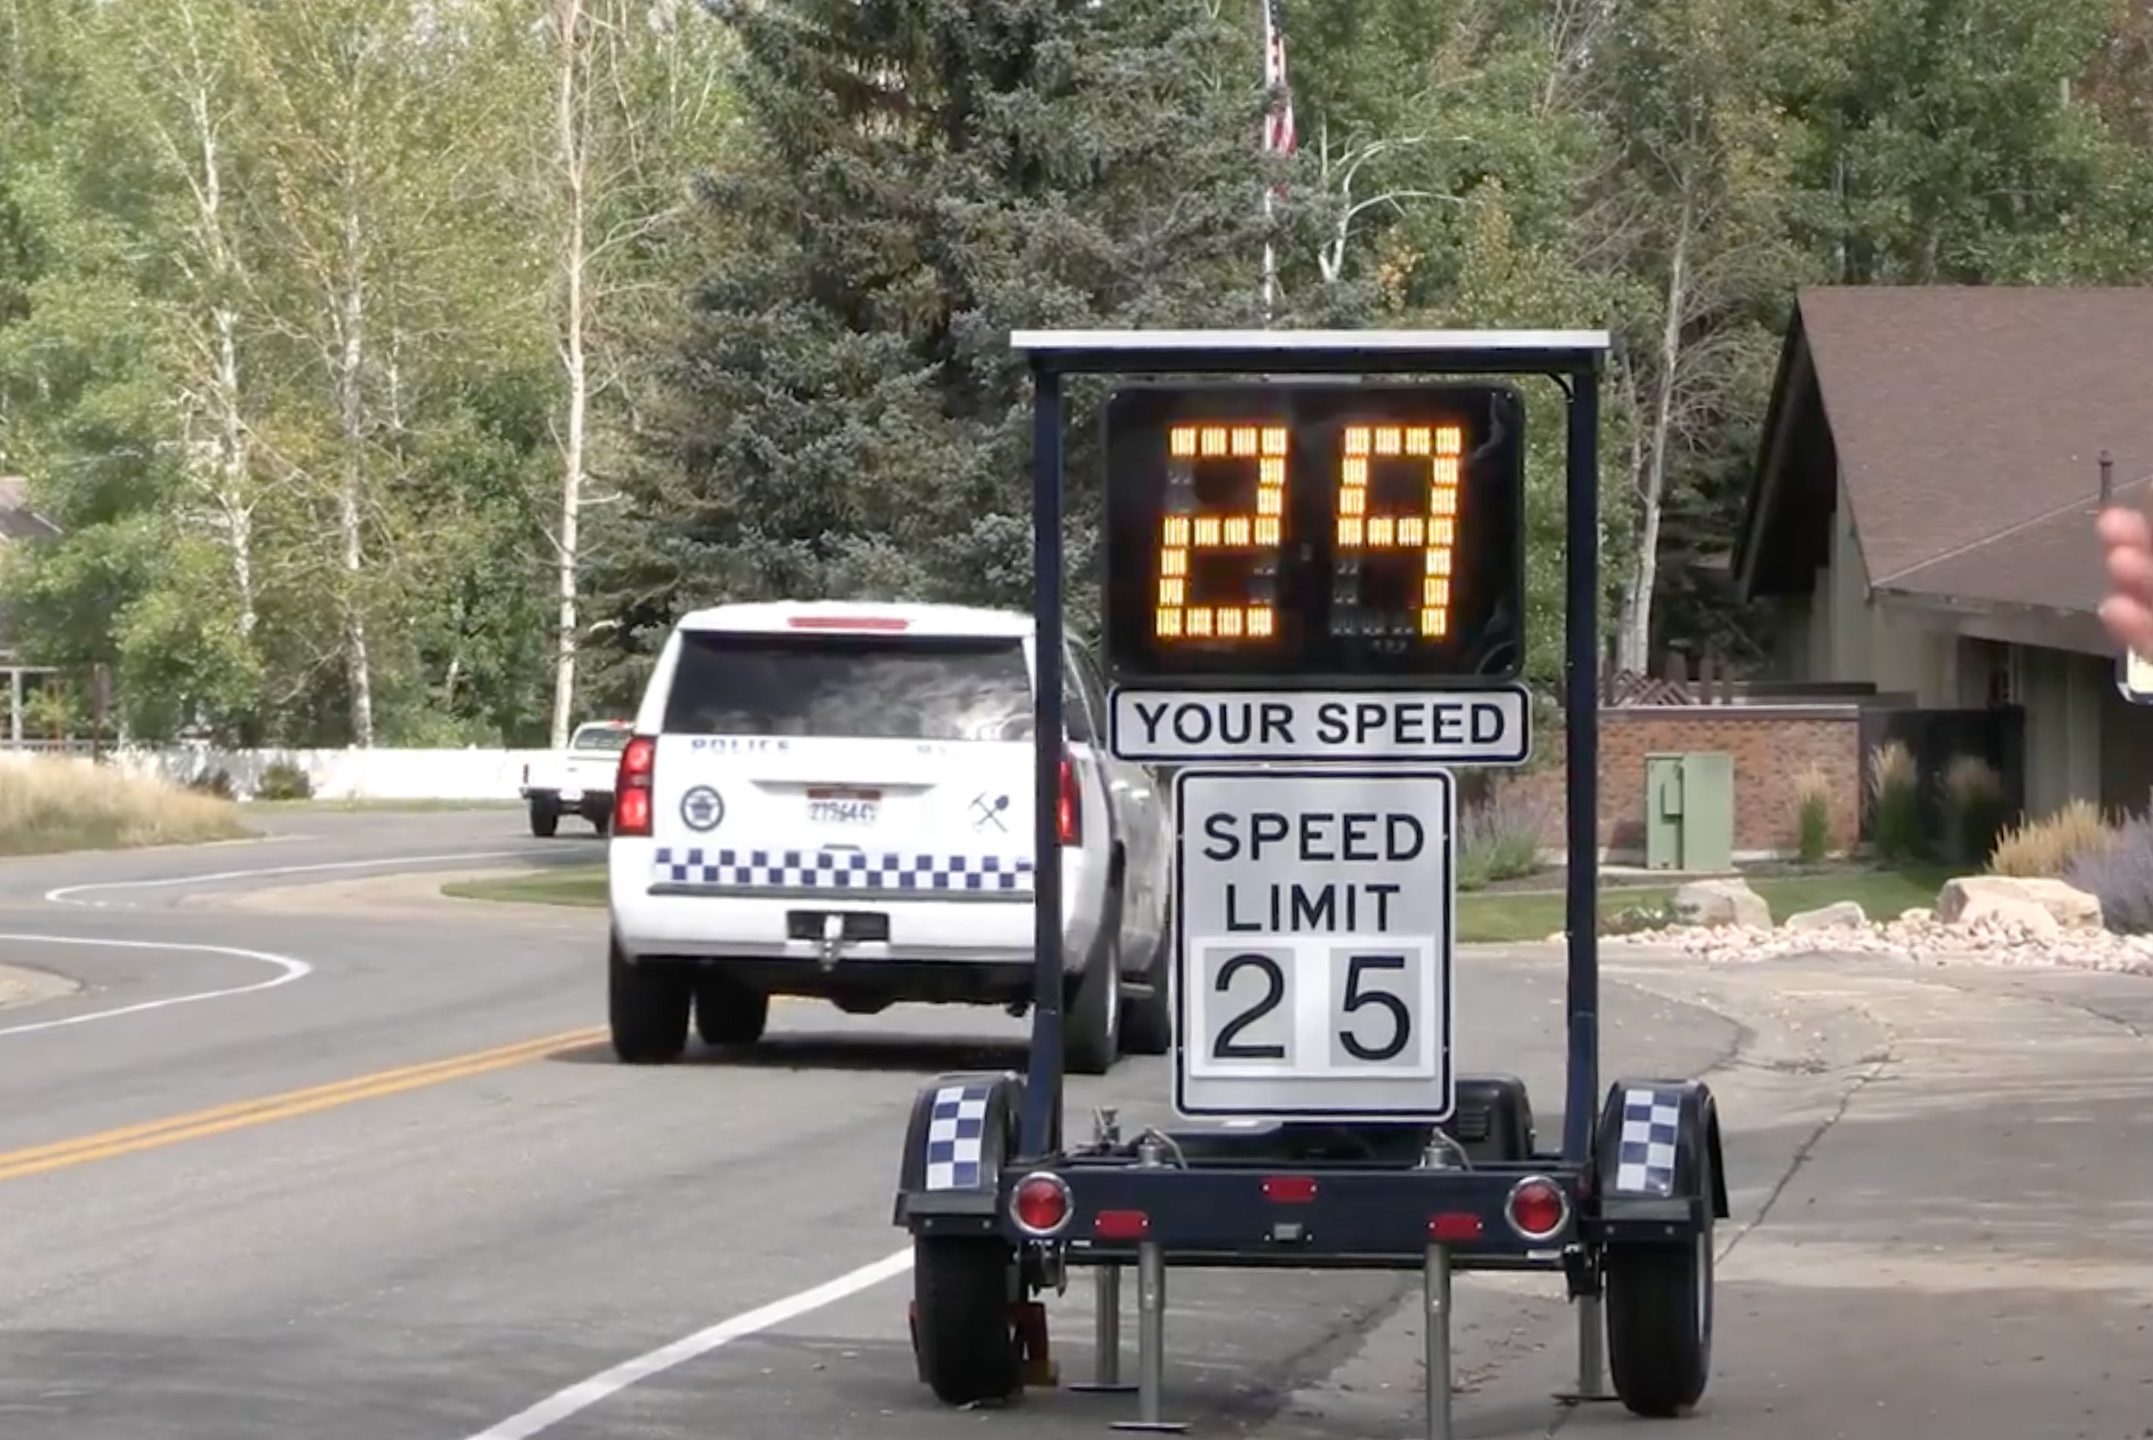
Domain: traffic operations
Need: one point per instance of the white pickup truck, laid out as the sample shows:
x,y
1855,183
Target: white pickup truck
x,y
577,780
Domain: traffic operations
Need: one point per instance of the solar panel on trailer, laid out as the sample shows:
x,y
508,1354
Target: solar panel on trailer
x,y
1310,532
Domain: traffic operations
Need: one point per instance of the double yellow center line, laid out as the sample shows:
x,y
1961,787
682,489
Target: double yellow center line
x,y
239,1115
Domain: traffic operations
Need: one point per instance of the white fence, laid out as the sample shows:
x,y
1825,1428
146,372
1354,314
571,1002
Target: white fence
x,y
350,774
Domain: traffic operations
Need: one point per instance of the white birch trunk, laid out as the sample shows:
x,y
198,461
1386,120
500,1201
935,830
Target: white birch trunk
x,y
572,118
1634,638
351,424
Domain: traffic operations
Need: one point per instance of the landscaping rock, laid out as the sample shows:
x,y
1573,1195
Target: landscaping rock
x,y
1973,898
1839,915
1917,915
1716,903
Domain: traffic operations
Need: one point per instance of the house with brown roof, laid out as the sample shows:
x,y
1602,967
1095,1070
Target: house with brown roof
x,y
1921,515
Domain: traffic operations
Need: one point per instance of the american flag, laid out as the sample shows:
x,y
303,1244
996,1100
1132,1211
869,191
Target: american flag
x,y
1278,136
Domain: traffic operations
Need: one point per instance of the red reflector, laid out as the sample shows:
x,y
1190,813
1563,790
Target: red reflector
x,y
1041,1203
1453,1226
631,812
1289,1189
848,622
1121,1225
1537,1208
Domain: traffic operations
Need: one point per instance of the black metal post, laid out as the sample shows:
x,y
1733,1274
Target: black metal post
x,y
1581,732
1043,1092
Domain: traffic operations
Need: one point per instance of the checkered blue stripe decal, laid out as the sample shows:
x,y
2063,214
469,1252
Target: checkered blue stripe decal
x,y
955,1135
845,870
1650,1121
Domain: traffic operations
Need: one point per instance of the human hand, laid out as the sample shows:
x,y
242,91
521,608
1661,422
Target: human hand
x,y
2127,544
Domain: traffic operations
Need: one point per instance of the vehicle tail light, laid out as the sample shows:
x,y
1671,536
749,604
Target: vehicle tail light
x,y
526,774
1040,1204
1070,811
632,785
1537,1208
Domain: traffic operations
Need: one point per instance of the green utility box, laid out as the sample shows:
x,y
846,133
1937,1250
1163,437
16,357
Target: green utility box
x,y
1689,811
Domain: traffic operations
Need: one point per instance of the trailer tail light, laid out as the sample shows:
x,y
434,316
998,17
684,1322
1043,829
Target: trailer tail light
x,y
1537,1208
1040,1204
632,783
1121,1225
1069,812
1289,1189
1454,1227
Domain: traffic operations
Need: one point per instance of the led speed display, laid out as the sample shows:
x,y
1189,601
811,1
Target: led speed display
x,y
1314,531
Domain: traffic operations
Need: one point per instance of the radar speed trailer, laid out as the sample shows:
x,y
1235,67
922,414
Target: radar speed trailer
x,y
1315,607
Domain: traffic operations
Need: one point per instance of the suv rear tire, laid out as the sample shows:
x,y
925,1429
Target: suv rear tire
x,y
1091,1025
1147,1021
728,1012
648,1008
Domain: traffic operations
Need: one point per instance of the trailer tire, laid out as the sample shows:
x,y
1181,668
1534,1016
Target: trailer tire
x,y
648,1009
963,1332
728,1012
1659,1323
545,817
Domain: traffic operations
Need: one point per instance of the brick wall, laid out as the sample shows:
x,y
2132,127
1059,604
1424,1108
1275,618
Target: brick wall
x,y
1771,745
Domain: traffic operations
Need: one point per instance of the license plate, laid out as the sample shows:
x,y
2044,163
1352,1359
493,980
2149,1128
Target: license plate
x,y
571,796
843,812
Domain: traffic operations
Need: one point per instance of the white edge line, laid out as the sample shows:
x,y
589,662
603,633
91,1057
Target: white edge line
x,y
60,896
584,1394
289,970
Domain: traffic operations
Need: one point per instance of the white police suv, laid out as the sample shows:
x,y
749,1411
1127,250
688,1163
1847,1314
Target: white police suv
x,y
835,800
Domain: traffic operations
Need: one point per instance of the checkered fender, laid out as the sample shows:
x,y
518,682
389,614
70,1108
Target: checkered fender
x,y
956,1136
849,870
1645,1158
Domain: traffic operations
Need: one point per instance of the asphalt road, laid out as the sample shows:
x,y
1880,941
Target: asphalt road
x,y
358,1166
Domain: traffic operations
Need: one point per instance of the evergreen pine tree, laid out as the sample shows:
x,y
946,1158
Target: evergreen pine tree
x,y
844,416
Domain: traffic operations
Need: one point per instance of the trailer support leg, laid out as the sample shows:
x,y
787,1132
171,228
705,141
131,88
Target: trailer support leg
x,y
1435,1288
1150,1343
1106,1332
1591,1339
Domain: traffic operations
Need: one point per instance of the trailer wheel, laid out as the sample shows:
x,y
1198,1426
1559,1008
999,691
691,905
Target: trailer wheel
x,y
963,1333
648,1007
545,817
728,1012
1659,1323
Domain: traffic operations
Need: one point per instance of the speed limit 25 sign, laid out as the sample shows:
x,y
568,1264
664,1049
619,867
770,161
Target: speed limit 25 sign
x,y
1314,943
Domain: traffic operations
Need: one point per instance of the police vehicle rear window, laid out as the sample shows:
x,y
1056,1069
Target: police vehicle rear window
x,y
872,687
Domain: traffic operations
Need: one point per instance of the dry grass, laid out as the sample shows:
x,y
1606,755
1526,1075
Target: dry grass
x,y
51,803
2046,848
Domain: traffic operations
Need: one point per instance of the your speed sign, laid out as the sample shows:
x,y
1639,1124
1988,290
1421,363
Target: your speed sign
x,y
1315,943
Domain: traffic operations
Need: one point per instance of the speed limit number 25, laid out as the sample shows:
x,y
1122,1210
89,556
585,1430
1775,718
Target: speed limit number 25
x,y
1337,1006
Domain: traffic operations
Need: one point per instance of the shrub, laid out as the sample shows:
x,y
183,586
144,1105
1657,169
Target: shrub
x,y
282,780
2120,875
1973,808
49,804
217,782
2047,848
1895,798
1813,794
1500,838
